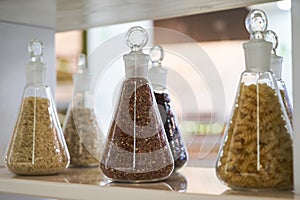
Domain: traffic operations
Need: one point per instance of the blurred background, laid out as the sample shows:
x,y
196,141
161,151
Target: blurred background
x,y
219,34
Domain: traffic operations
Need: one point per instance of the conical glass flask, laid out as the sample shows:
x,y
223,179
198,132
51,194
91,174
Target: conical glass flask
x,y
256,151
276,68
137,148
81,130
158,78
37,146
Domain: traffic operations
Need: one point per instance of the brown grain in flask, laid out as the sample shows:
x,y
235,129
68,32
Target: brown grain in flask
x,y
37,146
136,149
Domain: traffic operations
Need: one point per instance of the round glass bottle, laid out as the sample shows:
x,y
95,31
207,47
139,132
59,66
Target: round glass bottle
x,y
81,130
276,68
256,151
37,146
158,78
136,148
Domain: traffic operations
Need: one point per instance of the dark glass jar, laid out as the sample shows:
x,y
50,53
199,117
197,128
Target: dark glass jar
x,y
158,78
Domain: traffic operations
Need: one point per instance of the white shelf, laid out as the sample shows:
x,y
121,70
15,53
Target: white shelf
x,y
81,184
82,14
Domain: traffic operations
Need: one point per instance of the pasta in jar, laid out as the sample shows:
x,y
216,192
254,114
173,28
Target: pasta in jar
x,y
257,150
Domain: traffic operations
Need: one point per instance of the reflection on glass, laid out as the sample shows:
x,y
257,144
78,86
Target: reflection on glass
x,y
176,182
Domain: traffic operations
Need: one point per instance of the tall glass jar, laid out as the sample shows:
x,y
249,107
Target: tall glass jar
x,y
37,146
276,68
158,78
256,151
136,148
81,129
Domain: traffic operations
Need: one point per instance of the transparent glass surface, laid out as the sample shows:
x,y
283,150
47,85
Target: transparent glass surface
x,y
136,149
171,127
37,146
83,135
158,77
256,151
81,129
286,100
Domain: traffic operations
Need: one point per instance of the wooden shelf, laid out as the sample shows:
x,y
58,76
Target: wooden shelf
x,y
83,14
88,183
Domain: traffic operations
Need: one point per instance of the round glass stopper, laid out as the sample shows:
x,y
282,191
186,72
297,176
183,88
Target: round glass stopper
x,y
256,23
156,54
272,37
35,48
136,38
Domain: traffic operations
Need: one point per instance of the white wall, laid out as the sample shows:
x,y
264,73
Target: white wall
x,y
106,45
14,39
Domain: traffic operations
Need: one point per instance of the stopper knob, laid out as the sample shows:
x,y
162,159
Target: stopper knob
x,y
256,23
35,48
156,54
136,38
272,37
81,61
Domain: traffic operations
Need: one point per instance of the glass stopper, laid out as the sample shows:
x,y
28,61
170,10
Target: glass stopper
x,y
35,48
81,61
136,38
256,23
156,54
271,36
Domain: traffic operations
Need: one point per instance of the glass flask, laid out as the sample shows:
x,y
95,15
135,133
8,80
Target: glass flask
x,y
136,149
81,130
37,146
276,68
158,78
256,151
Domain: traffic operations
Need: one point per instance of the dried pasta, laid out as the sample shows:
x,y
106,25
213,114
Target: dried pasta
x,y
257,150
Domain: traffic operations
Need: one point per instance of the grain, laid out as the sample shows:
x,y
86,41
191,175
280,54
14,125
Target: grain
x,y
83,137
137,149
175,140
37,146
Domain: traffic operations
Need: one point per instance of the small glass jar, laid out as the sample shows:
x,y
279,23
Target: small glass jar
x,y
136,149
81,130
276,68
158,78
37,146
256,151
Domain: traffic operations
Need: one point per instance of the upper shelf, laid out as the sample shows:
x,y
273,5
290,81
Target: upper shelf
x,y
65,15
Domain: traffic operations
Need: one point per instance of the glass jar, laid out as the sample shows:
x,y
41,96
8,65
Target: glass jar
x,y
136,149
256,151
158,78
276,68
81,130
37,146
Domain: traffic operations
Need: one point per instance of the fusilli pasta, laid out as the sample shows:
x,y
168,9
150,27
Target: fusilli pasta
x,y
257,150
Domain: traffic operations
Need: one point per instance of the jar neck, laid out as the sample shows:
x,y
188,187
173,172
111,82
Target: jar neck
x,y
276,65
136,64
257,55
36,72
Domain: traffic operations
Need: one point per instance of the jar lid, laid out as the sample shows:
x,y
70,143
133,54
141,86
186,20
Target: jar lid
x,y
257,50
276,61
36,69
157,73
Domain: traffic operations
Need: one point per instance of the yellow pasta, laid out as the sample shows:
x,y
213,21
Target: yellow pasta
x,y
257,151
